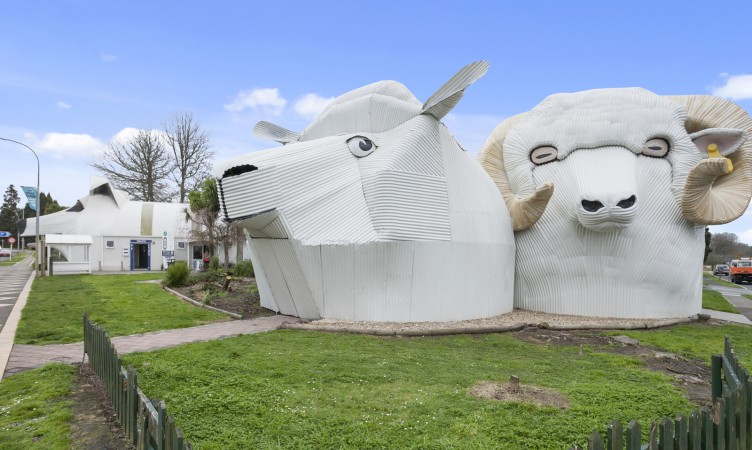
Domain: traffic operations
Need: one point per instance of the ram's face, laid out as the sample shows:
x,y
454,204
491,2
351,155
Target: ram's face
x,y
608,155
348,188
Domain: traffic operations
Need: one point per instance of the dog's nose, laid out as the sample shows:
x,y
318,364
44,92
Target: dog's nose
x,y
239,170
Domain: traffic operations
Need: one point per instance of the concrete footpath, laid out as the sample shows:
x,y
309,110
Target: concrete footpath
x,y
25,357
735,296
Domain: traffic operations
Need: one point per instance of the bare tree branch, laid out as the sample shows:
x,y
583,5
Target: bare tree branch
x,y
190,148
140,166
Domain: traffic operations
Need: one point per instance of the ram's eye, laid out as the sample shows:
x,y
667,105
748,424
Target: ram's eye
x,y
656,147
361,146
542,155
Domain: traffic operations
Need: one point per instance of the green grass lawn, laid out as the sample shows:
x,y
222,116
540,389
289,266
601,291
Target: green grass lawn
x,y
716,301
296,389
17,257
54,310
698,341
34,409
718,280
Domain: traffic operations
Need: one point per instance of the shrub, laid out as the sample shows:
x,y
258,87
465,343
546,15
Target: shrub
x,y
211,276
214,263
243,269
177,274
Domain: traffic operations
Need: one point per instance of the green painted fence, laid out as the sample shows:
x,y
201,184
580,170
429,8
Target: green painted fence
x,y
727,427
147,426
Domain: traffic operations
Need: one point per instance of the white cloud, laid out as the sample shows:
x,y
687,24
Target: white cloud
x,y
62,106
70,144
266,100
736,87
108,57
311,105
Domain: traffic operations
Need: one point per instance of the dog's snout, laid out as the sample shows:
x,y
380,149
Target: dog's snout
x,y
239,170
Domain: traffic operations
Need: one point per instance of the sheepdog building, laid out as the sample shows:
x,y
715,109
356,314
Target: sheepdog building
x,y
106,231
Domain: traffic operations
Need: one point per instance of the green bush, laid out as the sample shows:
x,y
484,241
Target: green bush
x,y
210,276
243,269
177,274
214,263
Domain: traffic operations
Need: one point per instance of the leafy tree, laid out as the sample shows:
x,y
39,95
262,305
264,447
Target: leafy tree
x,y
708,249
9,212
47,205
141,166
190,149
203,211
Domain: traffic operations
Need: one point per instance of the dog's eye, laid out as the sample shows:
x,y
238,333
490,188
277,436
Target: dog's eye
x,y
361,146
542,155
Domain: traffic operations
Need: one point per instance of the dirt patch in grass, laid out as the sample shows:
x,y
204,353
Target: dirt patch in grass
x,y
94,423
522,393
241,297
692,376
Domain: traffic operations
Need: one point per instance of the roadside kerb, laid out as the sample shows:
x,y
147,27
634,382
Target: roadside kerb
x,y
8,333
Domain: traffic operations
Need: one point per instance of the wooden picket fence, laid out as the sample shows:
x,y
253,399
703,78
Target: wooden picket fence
x,y
147,426
727,427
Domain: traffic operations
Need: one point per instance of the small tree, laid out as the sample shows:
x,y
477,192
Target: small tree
x,y
708,238
203,211
190,149
140,166
9,212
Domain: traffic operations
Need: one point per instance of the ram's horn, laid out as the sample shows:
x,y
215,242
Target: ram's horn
x,y
711,196
524,211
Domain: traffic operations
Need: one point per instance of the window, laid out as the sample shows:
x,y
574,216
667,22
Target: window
x,y
181,245
109,244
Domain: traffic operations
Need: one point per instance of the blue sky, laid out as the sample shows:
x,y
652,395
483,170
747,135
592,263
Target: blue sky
x,y
76,74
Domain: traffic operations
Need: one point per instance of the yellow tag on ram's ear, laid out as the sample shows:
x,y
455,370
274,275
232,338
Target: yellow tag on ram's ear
x,y
714,153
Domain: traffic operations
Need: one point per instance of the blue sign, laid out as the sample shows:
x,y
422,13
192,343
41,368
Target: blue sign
x,y
31,194
5,234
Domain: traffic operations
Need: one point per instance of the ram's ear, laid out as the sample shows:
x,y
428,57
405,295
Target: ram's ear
x,y
271,132
443,100
728,140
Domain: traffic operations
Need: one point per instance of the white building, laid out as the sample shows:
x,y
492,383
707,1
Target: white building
x,y
126,235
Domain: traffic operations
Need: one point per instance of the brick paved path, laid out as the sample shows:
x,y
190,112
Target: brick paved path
x,y
25,357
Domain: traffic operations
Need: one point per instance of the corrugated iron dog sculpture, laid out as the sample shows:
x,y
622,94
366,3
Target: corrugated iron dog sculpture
x,y
374,212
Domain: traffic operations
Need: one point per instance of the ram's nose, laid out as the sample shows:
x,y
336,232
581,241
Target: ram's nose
x,y
596,205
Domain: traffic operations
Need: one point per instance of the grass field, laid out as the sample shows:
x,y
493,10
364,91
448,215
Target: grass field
x,y
295,389
34,410
720,281
54,310
17,257
699,341
716,301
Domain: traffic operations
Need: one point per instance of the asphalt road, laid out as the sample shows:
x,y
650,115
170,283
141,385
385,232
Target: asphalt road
x,y
12,280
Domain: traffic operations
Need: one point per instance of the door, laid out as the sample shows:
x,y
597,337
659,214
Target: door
x,y
140,255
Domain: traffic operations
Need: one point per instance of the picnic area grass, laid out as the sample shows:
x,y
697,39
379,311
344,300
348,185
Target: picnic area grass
x,y
34,409
298,389
55,307
716,301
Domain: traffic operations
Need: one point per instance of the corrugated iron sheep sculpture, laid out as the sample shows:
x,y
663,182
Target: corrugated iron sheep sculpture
x,y
609,192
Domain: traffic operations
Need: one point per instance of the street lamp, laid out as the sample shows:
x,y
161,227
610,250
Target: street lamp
x,y
36,242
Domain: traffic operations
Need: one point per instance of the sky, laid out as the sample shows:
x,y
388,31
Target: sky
x,y
74,75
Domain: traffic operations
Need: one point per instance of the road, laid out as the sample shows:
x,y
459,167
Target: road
x,y
734,296
12,280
